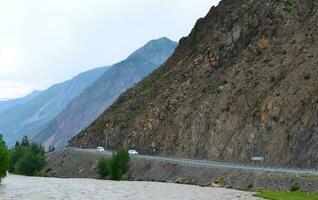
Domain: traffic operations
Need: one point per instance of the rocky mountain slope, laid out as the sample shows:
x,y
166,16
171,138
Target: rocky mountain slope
x,y
243,83
22,119
4,105
94,100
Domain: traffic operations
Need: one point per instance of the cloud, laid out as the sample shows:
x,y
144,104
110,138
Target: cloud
x,y
48,41
14,89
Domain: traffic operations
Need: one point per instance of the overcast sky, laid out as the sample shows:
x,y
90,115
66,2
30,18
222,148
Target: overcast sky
x,y
43,42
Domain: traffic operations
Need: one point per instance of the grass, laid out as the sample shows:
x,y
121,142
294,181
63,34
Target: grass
x,y
283,195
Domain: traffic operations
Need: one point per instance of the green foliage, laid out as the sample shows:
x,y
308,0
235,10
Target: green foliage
x,y
51,148
115,167
103,167
4,159
295,187
283,195
307,77
191,181
239,91
248,25
224,82
289,6
310,38
148,83
220,181
226,108
27,159
257,106
194,40
275,82
119,164
249,186
25,141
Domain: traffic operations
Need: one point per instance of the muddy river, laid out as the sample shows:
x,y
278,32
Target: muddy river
x,y
38,188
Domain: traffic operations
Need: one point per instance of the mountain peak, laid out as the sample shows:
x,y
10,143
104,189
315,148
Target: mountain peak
x,y
154,47
95,99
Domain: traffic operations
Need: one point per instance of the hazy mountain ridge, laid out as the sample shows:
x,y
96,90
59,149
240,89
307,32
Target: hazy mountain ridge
x,y
22,119
243,84
95,99
6,104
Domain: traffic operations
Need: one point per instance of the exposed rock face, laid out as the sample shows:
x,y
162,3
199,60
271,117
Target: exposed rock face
x,y
85,108
243,83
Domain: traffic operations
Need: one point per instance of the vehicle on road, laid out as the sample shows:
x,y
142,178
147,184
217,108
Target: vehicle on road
x,y
100,149
133,153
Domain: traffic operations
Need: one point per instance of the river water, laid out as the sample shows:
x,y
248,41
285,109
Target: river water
x,y
38,188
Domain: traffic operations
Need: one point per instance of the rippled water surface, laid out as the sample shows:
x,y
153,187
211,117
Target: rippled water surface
x,y
37,188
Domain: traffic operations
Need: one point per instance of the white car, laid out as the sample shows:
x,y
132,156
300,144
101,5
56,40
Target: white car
x,y
133,153
100,149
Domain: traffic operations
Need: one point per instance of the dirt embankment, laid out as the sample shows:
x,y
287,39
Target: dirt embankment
x,y
72,163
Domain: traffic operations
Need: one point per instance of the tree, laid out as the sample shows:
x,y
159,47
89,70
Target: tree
x,y
115,166
27,159
103,167
123,159
51,148
25,141
119,164
4,159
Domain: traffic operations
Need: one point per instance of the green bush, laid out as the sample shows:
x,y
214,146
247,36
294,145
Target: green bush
x,y
289,6
103,167
4,159
119,164
307,77
295,187
123,159
115,167
27,159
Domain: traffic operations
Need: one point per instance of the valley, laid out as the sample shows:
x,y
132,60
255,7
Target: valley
x,y
228,112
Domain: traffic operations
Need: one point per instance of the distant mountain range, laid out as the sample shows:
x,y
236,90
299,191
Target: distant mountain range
x,y
85,108
22,116
6,104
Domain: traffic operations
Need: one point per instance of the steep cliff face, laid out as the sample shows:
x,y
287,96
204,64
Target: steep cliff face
x,y
243,83
85,108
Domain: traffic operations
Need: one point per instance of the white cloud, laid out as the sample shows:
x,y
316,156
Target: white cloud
x,y
14,89
47,41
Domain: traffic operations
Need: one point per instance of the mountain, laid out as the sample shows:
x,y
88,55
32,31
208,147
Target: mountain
x,y
4,105
22,119
244,83
94,100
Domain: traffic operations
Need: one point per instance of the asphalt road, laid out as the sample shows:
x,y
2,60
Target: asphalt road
x,y
211,164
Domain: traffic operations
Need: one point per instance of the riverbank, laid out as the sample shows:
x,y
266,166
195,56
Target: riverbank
x,y
74,163
39,188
